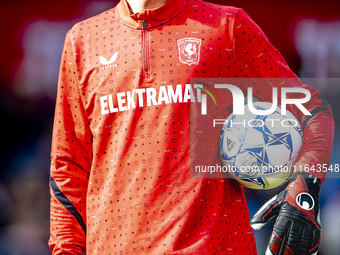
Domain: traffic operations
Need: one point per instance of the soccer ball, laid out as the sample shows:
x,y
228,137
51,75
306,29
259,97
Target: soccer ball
x,y
259,151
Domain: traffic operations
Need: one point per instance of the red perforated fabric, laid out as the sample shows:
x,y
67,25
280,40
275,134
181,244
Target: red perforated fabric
x,y
121,136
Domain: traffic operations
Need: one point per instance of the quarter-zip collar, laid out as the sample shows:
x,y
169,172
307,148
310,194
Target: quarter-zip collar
x,y
150,18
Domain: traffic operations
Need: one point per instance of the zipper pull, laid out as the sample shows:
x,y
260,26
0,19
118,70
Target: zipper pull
x,y
143,22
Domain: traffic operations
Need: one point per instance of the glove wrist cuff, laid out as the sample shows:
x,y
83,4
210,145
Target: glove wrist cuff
x,y
312,182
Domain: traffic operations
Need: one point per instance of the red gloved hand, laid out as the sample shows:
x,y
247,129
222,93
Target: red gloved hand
x,y
297,229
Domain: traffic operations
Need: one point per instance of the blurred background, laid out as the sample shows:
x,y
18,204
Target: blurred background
x,y
307,33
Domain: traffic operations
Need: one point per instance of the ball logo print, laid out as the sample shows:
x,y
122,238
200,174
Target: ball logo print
x,y
305,201
189,50
230,144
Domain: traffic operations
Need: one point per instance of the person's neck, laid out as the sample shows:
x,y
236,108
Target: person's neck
x,y
141,5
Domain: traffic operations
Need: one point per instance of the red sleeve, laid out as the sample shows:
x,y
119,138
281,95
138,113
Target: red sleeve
x,y
256,57
71,157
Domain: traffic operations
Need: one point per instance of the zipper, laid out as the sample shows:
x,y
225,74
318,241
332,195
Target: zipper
x,y
145,52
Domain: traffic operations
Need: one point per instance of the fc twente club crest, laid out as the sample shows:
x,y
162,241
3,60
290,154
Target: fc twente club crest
x,y
189,50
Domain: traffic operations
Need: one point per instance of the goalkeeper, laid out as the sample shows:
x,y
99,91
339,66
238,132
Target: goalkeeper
x,y
120,161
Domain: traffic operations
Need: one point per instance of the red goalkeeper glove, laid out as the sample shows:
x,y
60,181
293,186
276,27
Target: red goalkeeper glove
x,y
297,229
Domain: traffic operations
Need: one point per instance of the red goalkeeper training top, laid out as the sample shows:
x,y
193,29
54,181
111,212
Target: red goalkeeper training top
x,y
120,171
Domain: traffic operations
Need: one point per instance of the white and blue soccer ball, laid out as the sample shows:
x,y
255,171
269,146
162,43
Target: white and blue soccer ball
x,y
259,151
